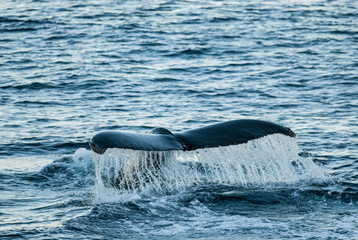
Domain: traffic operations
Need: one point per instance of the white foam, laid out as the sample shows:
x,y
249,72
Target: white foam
x,y
202,220
267,161
82,157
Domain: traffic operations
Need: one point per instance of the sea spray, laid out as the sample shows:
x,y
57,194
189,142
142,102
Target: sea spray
x,y
268,161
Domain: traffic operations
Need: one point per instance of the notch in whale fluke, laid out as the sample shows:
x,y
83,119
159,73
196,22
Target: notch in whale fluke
x,y
160,139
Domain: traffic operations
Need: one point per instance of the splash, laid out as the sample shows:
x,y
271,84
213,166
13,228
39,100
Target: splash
x,y
267,161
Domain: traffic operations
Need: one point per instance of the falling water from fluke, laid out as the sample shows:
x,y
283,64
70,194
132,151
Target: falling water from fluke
x,y
271,160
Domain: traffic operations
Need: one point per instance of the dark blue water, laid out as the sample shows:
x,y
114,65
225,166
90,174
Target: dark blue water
x,y
69,69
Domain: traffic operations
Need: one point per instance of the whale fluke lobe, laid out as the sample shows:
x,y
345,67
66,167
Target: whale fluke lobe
x,y
160,139
150,142
229,133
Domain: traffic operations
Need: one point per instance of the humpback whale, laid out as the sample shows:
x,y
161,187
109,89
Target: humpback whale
x,y
160,139
157,144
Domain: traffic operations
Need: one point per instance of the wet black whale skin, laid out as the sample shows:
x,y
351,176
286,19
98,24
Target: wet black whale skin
x,y
160,139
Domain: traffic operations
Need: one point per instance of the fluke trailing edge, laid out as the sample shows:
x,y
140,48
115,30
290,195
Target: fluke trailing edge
x,y
160,139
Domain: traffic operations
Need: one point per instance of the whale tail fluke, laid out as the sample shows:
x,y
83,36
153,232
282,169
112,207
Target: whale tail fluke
x,y
160,139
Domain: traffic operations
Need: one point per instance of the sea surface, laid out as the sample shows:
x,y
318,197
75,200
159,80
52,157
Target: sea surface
x,y
70,69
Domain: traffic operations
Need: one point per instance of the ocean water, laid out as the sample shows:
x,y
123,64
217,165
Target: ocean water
x,y
70,69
